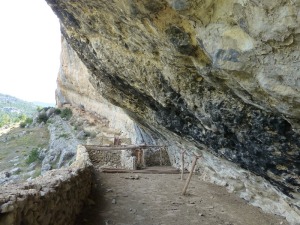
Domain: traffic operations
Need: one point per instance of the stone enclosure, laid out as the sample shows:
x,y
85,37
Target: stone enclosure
x,y
131,159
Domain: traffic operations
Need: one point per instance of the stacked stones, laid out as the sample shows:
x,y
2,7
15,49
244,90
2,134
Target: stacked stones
x,y
54,198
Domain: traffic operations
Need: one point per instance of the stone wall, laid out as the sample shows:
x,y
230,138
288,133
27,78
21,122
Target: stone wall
x,y
54,198
106,158
157,157
128,159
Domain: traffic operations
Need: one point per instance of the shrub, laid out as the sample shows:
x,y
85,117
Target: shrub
x,y
66,113
23,124
57,111
42,117
33,156
27,121
21,118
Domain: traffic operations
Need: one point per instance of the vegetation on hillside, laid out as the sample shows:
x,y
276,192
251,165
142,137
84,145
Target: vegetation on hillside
x,y
19,148
66,113
33,156
26,122
13,110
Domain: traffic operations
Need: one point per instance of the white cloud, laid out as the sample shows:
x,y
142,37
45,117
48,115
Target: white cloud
x,y
29,50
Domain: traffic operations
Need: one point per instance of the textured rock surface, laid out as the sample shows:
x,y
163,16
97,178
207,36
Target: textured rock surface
x,y
62,145
75,87
223,74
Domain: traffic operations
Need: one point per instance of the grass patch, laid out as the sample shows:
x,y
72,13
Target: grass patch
x,y
49,121
64,135
66,113
33,156
37,173
25,146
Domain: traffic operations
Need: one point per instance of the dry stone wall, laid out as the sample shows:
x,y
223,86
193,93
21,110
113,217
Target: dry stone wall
x,y
106,158
54,198
157,157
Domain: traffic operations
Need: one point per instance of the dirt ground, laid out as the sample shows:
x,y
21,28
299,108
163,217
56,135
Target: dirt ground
x,y
155,199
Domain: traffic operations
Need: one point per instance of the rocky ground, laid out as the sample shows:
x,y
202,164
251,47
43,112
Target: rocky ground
x,y
16,146
26,152
155,199
50,143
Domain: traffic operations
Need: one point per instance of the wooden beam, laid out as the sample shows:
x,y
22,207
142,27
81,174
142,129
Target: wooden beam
x,y
125,147
146,171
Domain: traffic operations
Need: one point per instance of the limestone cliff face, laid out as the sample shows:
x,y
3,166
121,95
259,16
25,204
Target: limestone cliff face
x,y
219,74
75,88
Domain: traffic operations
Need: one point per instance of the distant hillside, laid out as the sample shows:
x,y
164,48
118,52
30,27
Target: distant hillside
x,y
43,104
13,109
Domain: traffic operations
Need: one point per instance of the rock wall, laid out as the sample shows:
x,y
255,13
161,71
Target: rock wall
x,y
221,76
75,87
54,198
62,145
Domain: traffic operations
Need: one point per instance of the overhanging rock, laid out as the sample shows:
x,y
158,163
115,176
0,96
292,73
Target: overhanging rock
x,y
224,74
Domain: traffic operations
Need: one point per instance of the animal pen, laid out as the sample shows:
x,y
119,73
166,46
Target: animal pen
x,y
128,158
118,155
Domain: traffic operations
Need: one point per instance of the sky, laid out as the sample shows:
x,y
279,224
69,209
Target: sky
x,y
29,50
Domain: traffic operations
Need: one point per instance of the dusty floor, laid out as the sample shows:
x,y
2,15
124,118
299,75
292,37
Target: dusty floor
x,y
155,199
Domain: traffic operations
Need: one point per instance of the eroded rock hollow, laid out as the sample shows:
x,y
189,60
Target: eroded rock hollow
x,y
217,77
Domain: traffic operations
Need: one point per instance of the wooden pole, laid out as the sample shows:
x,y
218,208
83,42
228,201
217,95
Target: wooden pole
x,y
182,164
125,147
160,157
190,175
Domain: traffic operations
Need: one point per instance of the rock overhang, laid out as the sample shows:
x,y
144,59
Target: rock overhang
x,y
214,74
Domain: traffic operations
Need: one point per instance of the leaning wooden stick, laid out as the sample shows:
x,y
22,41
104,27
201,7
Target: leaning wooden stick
x,y
182,163
190,175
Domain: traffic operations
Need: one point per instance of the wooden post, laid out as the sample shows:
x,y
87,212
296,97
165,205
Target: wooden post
x,y
182,164
111,148
139,161
143,158
190,175
160,157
